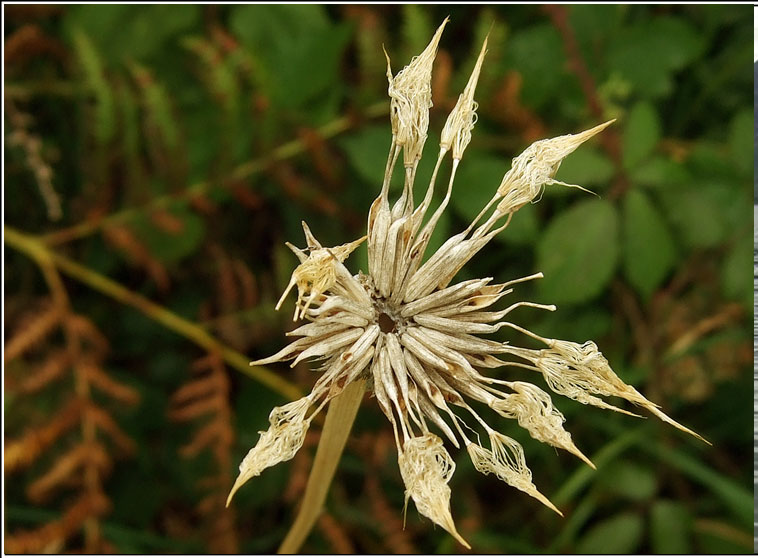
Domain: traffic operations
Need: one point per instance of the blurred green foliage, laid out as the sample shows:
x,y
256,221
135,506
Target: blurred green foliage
x,y
164,121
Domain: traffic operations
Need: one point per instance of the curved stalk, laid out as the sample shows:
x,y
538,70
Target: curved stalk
x,y
339,422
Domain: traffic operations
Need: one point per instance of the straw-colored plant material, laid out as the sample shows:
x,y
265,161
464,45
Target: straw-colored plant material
x,y
416,336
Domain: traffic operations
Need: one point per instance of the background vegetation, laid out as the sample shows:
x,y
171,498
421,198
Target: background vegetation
x,y
158,156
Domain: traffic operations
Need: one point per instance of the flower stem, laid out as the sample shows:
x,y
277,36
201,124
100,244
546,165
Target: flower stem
x,y
339,421
43,255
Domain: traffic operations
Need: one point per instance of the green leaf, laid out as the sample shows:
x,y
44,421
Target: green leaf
x,y
620,534
537,54
698,222
595,23
124,31
94,75
629,480
578,252
649,250
158,107
670,528
647,54
585,167
584,322
642,133
476,181
660,172
734,494
417,30
441,233
367,152
737,272
523,228
741,142
297,47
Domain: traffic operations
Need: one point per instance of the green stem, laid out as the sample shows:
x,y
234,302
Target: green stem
x,y
41,254
241,172
339,421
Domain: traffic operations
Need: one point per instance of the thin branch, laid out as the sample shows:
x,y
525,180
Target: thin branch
x,y
41,254
240,173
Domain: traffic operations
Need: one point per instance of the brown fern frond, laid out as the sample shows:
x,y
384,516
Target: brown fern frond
x,y
106,547
210,482
208,436
196,389
203,204
167,222
301,468
196,409
32,330
395,536
247,282
208,396
208,504
246,196
223,533
124,240
42,375
321,156
82,465
443,73
228,293
22,453
105,422
335,534
56,532
507,106
105,383
65,466
96,343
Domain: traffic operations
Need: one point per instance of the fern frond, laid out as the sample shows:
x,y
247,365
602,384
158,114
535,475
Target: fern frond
x,y
33,329
21,453
42,375
55,533
66,465
105,383
105,422
124,240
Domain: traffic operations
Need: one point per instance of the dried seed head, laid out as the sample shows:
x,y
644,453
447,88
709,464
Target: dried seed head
x,y
576,371
460,123
506,460
416,335
410,92
426,468
535,412
279,443
537,166
317,272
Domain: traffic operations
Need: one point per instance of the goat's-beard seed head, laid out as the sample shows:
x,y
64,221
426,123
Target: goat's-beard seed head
x,y
417,338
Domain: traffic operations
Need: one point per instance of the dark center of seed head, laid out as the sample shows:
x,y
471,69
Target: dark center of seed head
x,y
386,324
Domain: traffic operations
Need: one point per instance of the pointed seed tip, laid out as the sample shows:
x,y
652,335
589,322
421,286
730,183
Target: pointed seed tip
x,y
577,452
